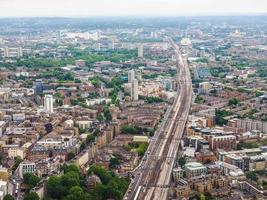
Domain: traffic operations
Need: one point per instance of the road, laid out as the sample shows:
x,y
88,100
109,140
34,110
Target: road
x,y
153,176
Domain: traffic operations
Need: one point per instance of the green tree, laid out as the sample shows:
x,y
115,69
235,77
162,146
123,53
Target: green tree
x,y
130,130
71,168
100,117
18,160
220,115
8,197
70,179
76,192
114,162
83,145
232,101
54,188
107,113
182,161
31,180
104,175
252,176
142,149
71,155
32,196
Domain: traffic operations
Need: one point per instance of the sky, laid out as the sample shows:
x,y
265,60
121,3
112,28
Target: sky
x,y
85,8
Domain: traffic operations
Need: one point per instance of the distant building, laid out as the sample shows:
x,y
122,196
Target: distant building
x,y
13,52
38,86
134,90
48,103
131,76
80,63
140,51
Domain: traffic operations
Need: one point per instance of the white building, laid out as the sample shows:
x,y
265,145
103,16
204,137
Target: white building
x,y
134,90
140,51
13,52
48,103
131,76
26,167
193,169
3,189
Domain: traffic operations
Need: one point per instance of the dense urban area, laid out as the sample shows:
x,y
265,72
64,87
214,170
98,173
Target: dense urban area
x,y
133,108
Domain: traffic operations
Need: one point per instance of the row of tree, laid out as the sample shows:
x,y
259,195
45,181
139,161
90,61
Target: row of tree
x,y
71,185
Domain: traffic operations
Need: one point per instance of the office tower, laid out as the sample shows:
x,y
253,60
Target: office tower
x,y
134,90
20,52
131,76
38,86
48,103
6,52
140,51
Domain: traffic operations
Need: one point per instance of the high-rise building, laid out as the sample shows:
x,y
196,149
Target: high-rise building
x,y
20,52
134,90
6,52
38,86
48,103
140,51
131,76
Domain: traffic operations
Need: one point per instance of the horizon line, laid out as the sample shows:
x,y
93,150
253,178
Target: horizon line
x,y
218,14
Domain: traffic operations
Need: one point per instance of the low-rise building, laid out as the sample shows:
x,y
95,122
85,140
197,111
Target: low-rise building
x,y
4,173
194,169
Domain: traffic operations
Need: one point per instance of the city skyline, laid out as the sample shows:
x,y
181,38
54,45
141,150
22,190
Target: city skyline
x,y
83,8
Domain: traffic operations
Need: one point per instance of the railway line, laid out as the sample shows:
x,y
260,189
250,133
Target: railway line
x,y
153,176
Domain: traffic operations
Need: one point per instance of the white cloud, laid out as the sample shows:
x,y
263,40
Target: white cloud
x,y
127,7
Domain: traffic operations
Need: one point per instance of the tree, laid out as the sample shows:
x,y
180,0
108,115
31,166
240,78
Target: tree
x,y
142,149
76,192
104,175
18,160
70,179
232,101
129,129
252,176
71,168
182,161
220,115
100,117
8,197
199,99
32,196
107,113
71,155
112,187
31,180
114,162
54,188
83,145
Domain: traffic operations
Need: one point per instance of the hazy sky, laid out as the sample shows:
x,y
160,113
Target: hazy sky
x,y
128,7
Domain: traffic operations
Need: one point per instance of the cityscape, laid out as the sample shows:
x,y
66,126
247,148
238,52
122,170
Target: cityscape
x,y
133,107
